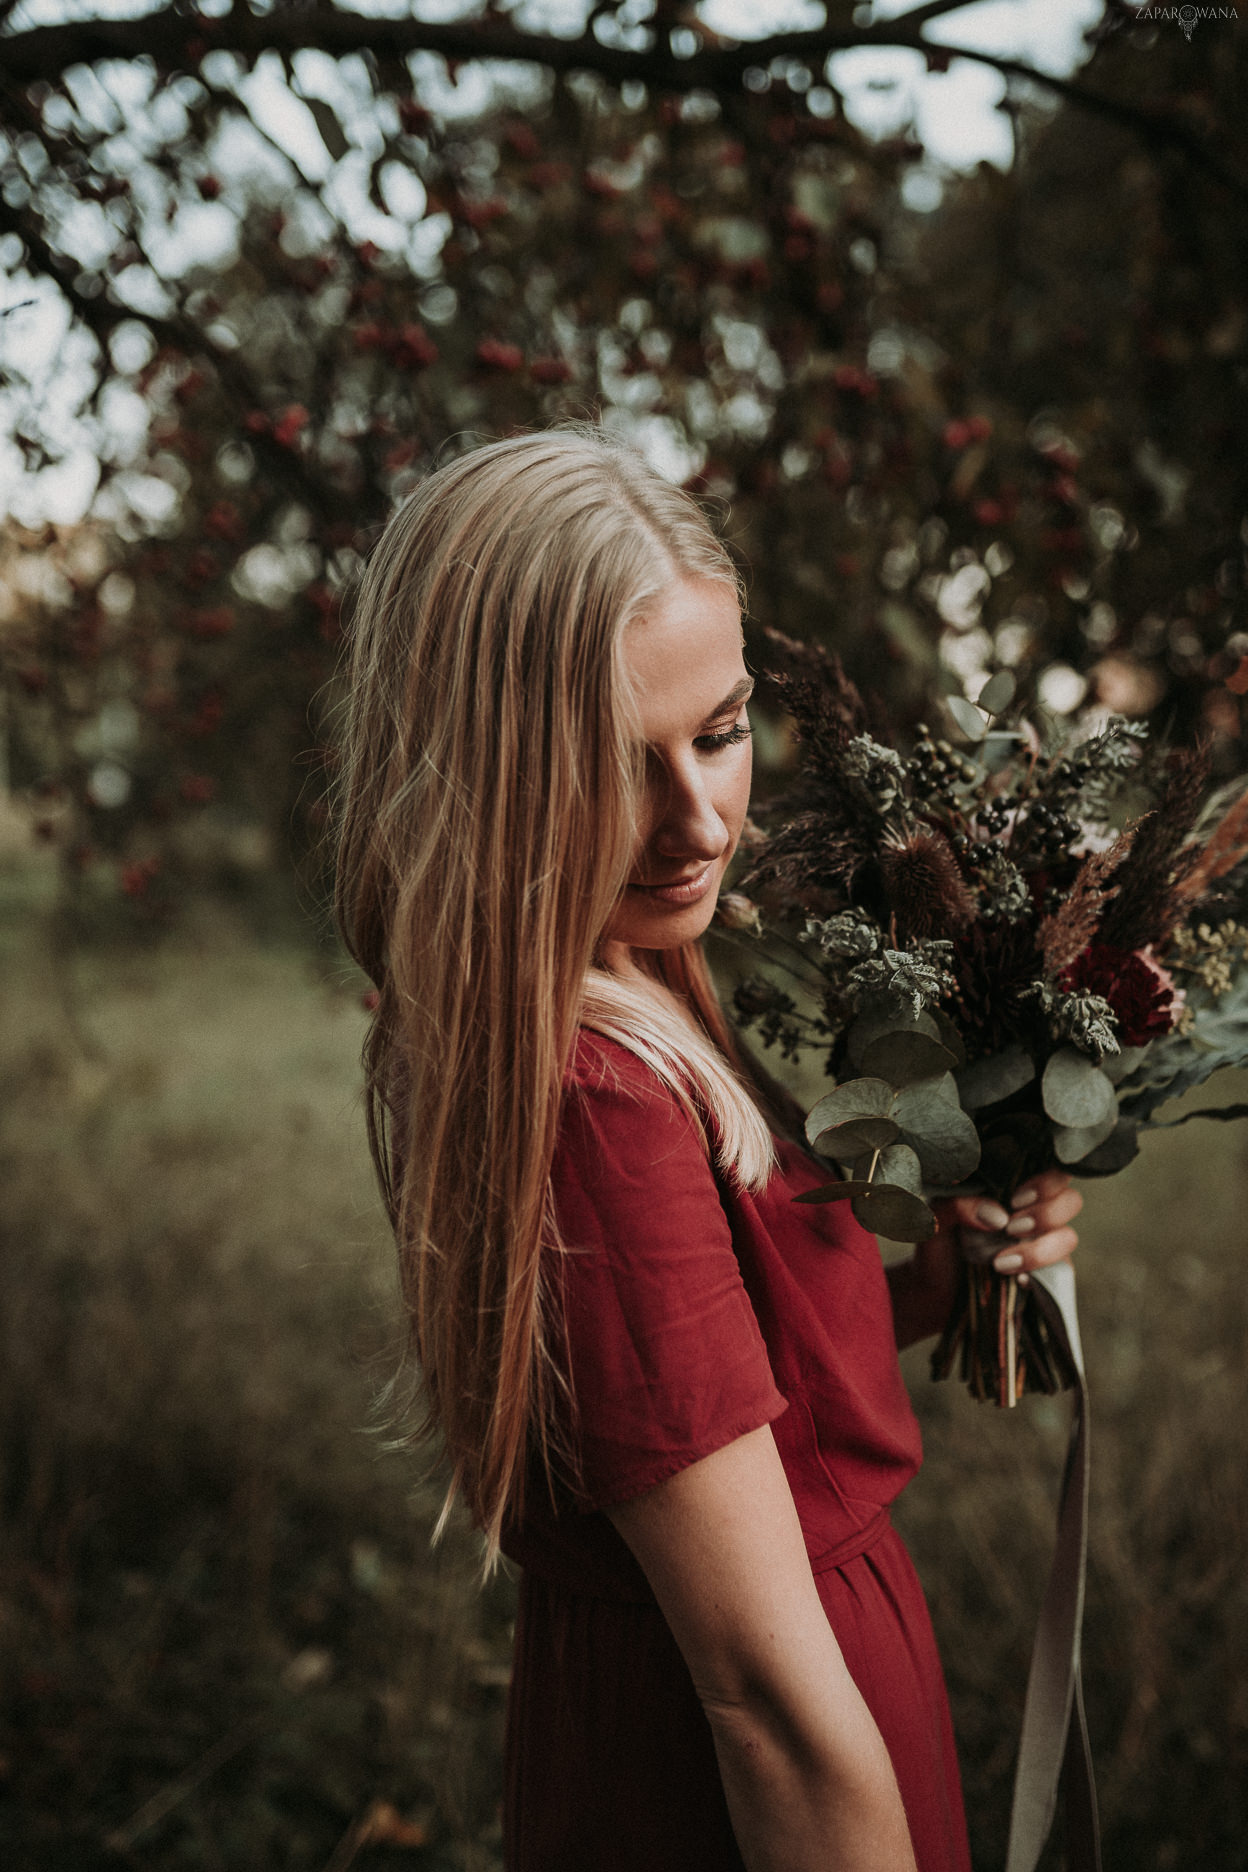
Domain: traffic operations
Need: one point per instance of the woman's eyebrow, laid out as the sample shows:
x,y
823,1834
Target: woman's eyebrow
x,y
734,698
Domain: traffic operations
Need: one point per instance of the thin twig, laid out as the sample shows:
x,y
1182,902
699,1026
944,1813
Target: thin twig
x,y
347,1849
174,1792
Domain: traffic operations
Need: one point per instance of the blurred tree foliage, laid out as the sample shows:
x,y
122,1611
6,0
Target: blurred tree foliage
x,y
1006,432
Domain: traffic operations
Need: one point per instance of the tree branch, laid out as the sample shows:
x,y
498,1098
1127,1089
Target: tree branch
x,y
178,41
919,16
102,316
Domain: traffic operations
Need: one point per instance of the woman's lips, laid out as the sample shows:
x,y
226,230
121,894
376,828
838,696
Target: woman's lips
x,y
685,890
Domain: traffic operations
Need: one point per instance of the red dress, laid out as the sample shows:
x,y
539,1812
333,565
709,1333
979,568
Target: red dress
x,y
693,1315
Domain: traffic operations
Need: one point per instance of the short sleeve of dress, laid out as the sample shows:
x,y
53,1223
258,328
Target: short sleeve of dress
x,y
664,1352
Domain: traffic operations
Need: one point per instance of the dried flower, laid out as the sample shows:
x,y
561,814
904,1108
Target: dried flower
x,y
920,974
1087,1020
1148,902
926,891
1140,992
1063,936
851,933
1005,896
1227,848
879,771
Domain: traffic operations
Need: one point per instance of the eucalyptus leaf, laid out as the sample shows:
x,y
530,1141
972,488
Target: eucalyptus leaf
x,y
834,1192
1076,1093
897,1213
973,724
856,1098
997,693
1120,1065
1073,1142
896,1163
949,1036
935,1126
848,1141
904,1055
899,1164
881,1014
1118,1150
997,1077
941,1086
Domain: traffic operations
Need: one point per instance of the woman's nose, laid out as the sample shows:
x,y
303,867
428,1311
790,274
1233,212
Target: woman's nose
x,y
689,824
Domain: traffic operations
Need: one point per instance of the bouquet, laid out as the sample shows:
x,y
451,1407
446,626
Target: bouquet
x,y
1008,951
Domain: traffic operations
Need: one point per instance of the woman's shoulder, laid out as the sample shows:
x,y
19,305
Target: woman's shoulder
x,y
605,1067
619,1107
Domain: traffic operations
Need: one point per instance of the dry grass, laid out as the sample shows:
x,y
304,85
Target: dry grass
x,y
202,1546
206,1565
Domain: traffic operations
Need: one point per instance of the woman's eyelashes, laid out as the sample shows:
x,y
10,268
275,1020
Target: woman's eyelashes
x,y
723,738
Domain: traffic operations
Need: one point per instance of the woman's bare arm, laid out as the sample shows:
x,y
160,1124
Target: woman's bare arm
x,y
809,1784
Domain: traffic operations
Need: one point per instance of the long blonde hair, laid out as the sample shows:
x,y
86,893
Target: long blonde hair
x,y
487,791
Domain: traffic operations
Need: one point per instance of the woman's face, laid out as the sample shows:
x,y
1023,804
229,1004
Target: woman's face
x,y
684,658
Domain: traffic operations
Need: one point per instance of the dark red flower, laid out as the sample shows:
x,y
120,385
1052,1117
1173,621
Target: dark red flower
x,y
1139,990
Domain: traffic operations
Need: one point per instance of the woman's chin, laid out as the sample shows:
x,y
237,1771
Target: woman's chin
x,y
641,922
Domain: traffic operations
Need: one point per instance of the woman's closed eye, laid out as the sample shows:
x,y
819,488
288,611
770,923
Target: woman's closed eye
x,y
723,738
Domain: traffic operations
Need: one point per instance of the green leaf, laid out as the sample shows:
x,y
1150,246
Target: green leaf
x,y
834,1192
973,724
1119,1148
935,1126
848,1141
997,1077
950,1037
897,1213
1073,1142
856,1098
881,1014
1126,1060
898,1164
1076,1093
997,693
904,1055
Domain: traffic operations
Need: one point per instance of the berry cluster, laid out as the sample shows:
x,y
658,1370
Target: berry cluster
x,y
1068,775
993,816
1050,828
937,766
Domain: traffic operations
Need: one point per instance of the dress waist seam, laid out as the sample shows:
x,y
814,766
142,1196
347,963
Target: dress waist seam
x,y
861,1541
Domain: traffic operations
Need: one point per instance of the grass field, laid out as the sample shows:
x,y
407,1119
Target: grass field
x,y
225,1641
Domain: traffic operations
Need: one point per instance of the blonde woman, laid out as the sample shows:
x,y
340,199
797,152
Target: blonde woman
x,y
668,1392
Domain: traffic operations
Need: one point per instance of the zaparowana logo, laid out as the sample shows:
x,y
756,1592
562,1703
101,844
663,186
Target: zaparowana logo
x,y
1188,17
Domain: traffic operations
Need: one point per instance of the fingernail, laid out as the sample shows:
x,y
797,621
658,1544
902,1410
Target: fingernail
x,y
1008,1263
1020,1225
991,1215
1021,1198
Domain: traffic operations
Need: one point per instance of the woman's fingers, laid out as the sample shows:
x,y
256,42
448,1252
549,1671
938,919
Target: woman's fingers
x,y
1034,1233
1048,1211
1041,1251
1045,1201
1045,1188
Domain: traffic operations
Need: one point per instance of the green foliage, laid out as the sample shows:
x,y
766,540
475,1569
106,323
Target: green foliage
x,y
972,445
195,1282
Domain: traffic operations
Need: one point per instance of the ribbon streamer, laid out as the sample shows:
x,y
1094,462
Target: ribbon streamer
x,y
1053,1749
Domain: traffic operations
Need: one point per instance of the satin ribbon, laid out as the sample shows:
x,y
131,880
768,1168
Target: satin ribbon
x,y
1053,1749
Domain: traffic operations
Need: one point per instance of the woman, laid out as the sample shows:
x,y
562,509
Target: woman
x,y
668,1392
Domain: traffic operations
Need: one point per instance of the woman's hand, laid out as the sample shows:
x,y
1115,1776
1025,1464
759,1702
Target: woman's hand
x,y
1035,1233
